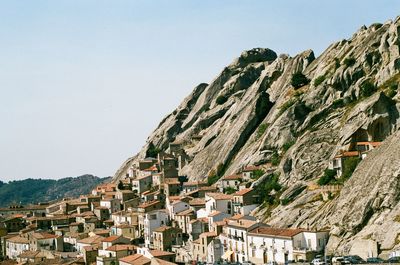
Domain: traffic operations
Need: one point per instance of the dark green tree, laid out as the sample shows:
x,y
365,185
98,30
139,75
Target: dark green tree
x,y
299,80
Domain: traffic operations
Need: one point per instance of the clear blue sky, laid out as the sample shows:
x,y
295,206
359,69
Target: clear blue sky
x,y
83,83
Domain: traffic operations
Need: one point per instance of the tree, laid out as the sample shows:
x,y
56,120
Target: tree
x,y
120,185
367,89
349,166
299,80
221,99
152,150
328,177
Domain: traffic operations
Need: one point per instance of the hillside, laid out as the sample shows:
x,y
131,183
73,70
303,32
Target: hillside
x,y
41,190
293,115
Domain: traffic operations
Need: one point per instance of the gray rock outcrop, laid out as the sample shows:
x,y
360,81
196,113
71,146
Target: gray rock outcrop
x,y
251,111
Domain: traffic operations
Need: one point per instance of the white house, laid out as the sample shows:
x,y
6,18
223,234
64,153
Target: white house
x,y
175,207
87,242
232,181
267,244
216,216
142,183
153,220
235,241
218,202
15,246
112,204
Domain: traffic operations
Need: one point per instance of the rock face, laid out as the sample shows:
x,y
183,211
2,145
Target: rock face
x,y
251,112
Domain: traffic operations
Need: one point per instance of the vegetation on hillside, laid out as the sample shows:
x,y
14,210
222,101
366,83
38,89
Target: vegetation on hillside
x,y
29,191
298,80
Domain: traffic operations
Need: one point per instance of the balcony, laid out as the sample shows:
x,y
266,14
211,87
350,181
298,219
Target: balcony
x,y
300,250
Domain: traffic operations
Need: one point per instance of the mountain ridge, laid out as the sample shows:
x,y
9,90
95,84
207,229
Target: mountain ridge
x,y
32,191
255,112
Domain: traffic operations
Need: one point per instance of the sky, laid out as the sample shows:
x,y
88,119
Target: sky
x,y
83,83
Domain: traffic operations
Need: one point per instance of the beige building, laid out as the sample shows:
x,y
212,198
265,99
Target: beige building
x,y
165,237
200,246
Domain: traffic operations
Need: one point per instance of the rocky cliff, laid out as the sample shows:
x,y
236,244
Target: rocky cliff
x,y
294,114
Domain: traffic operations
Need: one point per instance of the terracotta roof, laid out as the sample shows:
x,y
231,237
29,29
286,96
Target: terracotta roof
x,y
147,204
19,240
214,213
194,183
237,217
121,247
164,262
111,238
232,177
43,235
174,198
136,259
279,232
209,234
242,223
102,232
160,253
219,196
162,228
91,240
250,168
220,223
143,177
374,144
91,248
172,181
197,241
207,188
101,208
32,254
125,226
197,202
242,192
186,212
348,154
152,168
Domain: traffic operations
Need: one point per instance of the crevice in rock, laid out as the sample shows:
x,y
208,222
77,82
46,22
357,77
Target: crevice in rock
x,y
262,108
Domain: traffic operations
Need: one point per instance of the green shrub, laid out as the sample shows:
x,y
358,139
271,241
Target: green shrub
x,y
285,201
349,166
286,105
319,80
275,159
229,190
120,185
337,63
391,93
367,89
221,99
268,185
393,86
338,103
299,80
261,130
349,61
327,178
257,173
287,145
215,175
301,111
212,179
152,151
392,90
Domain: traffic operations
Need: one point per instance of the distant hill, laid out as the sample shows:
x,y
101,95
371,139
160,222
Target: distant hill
x,y
40,190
